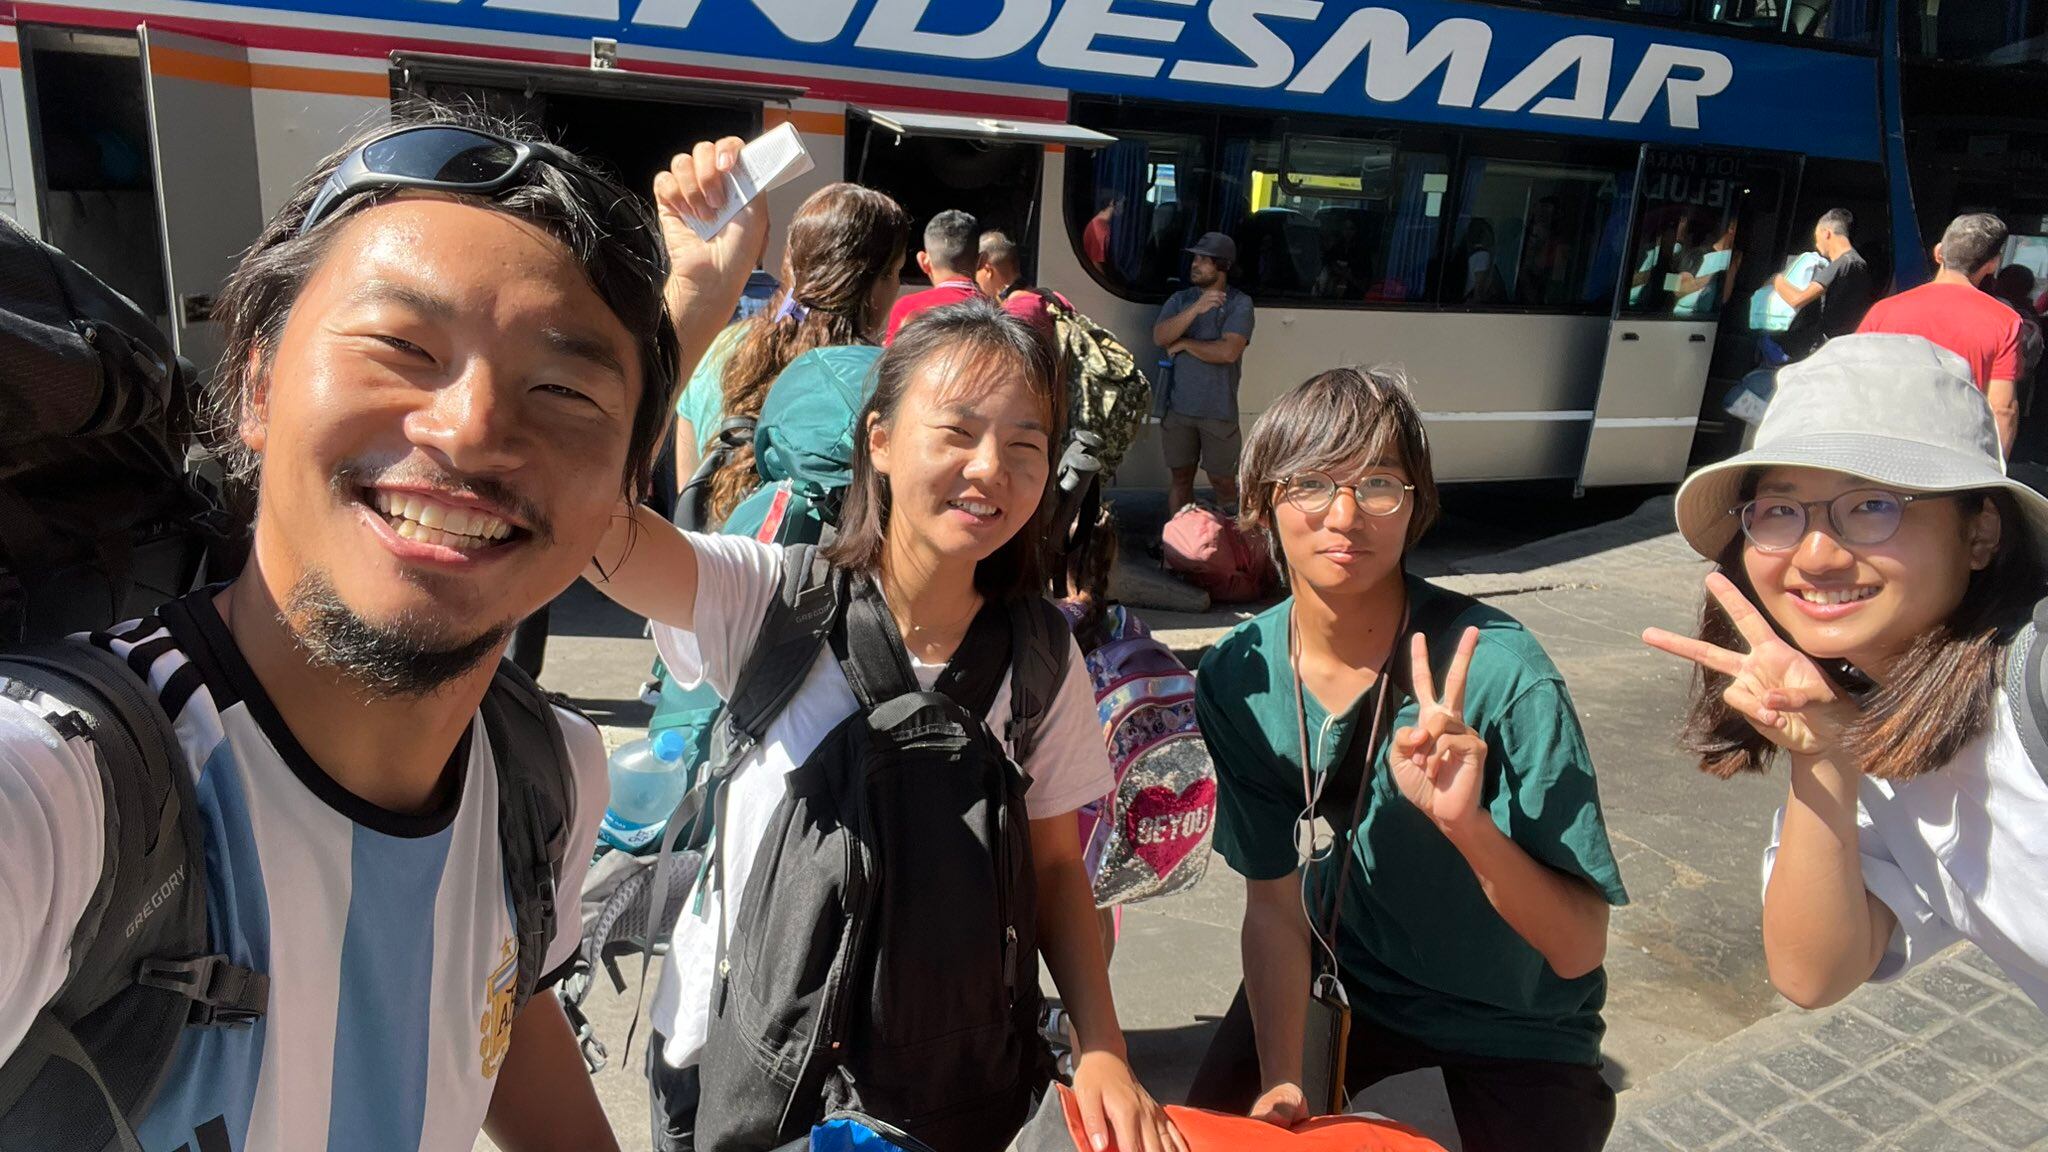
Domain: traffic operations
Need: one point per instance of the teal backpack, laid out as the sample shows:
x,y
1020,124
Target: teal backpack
x,y
803,449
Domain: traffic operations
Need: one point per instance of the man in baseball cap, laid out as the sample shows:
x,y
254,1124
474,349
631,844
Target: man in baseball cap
x,y
1203,329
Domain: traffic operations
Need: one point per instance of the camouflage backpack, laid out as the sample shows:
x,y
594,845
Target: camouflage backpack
x,y
1107,394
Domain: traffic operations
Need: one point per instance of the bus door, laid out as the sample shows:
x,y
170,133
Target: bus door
x,y
989,167
1701,234
632,121
202,144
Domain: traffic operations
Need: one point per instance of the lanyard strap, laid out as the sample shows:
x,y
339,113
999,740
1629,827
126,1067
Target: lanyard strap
x,y
1312,790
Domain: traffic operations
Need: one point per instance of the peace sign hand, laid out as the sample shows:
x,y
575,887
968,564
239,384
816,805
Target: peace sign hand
x,y
1773,685
1440,763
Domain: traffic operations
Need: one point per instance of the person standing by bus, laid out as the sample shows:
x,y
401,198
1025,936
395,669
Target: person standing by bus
x,y
1834,302
1954,311
1000,275
1204,329
948,258
1443,856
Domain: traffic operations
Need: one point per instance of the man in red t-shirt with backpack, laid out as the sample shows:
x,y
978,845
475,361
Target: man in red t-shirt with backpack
x,y
948,258
1952,311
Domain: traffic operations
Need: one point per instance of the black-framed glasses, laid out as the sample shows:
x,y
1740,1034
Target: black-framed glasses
x,y
449,158
1314,492
1864,516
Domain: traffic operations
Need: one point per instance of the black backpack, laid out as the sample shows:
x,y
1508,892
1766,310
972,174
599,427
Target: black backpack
x,y
886,958
142,967
2026,686
99,518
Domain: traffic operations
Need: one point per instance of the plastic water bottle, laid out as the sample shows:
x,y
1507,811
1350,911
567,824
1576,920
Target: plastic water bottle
x,y
647,780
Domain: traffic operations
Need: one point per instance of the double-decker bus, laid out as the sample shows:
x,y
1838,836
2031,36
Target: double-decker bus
x,y
1553,212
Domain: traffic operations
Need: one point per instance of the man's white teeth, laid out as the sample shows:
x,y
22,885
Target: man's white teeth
x,y
1829,596
433,523
976,508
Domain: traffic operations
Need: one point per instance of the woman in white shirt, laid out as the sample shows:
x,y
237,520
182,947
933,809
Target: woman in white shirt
x,y
1876,568
947,506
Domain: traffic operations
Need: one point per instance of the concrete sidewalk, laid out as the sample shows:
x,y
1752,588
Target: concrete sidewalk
x,y
1949,1057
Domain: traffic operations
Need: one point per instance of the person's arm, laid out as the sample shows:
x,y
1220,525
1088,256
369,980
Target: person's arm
x,y
1561,916
2005,410
1171,327
1115,1109
706,279
544,1100
1797,297
1440,765
648,566
1824,932
1274,944
1226,349
686,451
52,840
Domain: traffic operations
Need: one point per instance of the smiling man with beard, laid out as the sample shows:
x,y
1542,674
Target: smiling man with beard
x,y
449,355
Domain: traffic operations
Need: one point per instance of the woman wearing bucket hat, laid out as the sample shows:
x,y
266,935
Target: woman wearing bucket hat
x,y
1877,572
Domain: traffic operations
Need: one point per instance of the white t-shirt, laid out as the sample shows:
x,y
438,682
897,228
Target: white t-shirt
x,y
388,938
737,579
1960,853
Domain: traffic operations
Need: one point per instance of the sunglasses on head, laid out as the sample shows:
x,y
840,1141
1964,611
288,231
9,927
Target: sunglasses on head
x,y
446,158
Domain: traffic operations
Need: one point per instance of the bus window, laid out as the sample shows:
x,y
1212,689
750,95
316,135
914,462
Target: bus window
x,y
1847,21
1336,218
1135,205
1704,216
1537,234
995,181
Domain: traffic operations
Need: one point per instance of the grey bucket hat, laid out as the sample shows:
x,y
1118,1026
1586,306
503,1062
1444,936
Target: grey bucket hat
x,y
1894,410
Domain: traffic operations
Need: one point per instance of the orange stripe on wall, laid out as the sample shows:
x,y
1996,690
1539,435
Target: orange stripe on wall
x,y
290,78
10,55
816,123
182,65
179,64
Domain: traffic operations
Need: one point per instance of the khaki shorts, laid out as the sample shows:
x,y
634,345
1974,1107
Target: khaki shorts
x,y
1188,441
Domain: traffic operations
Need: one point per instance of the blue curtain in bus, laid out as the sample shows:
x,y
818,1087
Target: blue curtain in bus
x,y
1411,248
1120,172
1612,248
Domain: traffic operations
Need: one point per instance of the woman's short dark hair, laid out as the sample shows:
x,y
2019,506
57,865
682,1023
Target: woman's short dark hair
x,y
974,337
1938,695
625,271
1333,421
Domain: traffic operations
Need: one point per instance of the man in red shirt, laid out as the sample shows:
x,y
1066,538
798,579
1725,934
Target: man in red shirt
x,y
1000,276
1952,311
948,258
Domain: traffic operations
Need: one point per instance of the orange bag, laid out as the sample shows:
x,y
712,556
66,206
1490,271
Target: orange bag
x,y
1058,1129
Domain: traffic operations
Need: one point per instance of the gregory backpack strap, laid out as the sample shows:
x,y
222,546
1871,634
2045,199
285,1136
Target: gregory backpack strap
x,y
1041,646
2026,686
95,1055
870,650
534,782
791,635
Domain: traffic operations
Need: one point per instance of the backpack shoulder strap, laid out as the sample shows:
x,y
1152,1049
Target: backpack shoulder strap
x,y
694,497
791,636
535,779
2026,686
1041,645
140,986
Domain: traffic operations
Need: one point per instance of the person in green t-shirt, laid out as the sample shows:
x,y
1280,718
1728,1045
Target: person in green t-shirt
x,y
1470,858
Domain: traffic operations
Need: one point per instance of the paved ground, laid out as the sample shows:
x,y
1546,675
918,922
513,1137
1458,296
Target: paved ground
x,y
1948,1058
1687,985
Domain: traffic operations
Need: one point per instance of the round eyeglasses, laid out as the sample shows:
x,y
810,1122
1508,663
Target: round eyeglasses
x,y
1314,492
1863,517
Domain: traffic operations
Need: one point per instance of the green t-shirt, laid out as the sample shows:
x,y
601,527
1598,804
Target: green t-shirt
x,y
703,400
1422,952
